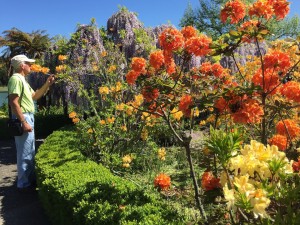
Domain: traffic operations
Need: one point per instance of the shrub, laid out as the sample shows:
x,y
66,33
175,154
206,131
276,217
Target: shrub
x,y
75,190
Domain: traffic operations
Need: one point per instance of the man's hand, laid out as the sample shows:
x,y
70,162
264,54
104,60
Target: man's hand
x,y
50,79
26,127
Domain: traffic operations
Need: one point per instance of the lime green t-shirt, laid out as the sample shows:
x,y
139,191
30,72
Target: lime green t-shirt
x,y
15,84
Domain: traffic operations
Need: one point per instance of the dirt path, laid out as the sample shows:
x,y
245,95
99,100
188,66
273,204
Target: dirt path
x,y
16,208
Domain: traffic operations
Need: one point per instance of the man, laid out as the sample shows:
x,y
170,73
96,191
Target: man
x,y
23,109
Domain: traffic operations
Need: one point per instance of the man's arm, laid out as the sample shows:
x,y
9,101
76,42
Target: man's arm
x,y
16,109
40,92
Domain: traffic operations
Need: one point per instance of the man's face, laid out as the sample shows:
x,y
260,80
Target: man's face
x,y
26,67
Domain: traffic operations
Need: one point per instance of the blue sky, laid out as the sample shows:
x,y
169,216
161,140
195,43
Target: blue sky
x,y
62,16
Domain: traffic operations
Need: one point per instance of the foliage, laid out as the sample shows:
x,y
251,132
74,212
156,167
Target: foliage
x,y
206,18
75,190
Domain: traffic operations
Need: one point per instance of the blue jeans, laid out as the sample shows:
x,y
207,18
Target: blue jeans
x,y
25,146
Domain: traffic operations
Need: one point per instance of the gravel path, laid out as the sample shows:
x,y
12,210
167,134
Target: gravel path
x,y
17,208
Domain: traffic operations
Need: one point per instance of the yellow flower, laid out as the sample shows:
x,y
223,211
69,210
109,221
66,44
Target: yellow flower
x,y
260,202
112,68
35,68
127,159
60,68
144,134
120,107
118,86
202,122
62,57
196,112
90,131
104,90
102,122
243,186
72,114
229,196
103,54
45,70
177,114
124,128
75,120
110,120
162,154
129,110
126,165
95,68
138,100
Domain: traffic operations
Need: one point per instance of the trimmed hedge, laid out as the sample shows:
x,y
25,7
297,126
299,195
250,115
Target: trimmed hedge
x,y
75,190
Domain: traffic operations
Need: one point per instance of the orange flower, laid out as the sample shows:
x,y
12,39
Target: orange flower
x,y
72,115
250,112
185,104
277,60
268,81
131,77
171,39
280,141
75,120
288,128
138,65
60,68
296,166
281,8
150,94
188,32
234,10
162,181
35,68
62,57
261,8
198,46
250,28
45,70
157,59
221,104
209,182
291,90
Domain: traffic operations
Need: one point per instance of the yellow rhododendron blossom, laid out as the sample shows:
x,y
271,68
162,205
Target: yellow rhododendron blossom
x,y
144,134
103,54
72,115
45,70
75,120
60,68
202,122
112,68
118,86
95,68
120,107
196,112
62,57
129,110
124,128
127,159
162,154
104,90
138,100
126,165
177,114
102,122
90,131
229,196
260,202
111,120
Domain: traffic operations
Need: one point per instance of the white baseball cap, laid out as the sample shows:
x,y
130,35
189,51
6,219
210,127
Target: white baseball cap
x,y
18,59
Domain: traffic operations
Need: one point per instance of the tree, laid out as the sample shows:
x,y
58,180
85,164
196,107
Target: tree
x,y
206,18
17,42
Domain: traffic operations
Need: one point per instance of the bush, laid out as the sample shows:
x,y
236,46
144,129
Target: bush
x,y
75,190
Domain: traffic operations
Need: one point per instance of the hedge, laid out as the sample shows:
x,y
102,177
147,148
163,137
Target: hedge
x,y
76,190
